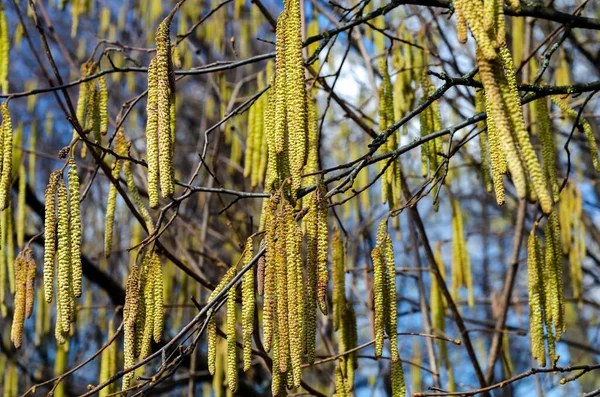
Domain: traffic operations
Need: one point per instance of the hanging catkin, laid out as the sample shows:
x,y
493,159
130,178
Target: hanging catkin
x,y
4,50
461,264
7,156
379,287
338,276
75,227
103,105
152,133
50,234
231,340
323,245
248,305
130,311
21,211
536,298
16,333
64,285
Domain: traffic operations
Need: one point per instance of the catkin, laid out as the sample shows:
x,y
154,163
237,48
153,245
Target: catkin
x,y
398,385
130,311
165,87
392,315
152,133
7,156
30,281
16,333
323,244
158,296
50,234
103,105
248,305
338,276
75,227
536,298
63,285
231,340
4,50
379,280
21,211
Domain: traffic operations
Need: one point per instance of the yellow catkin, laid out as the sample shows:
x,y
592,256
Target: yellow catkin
x,y
10,246
379,280
64,275
231,340
340,384
50,235
310,301
137,199
294,292
103,105
338,276
16,333
147,297
29,282
250,140
270,288
280,140
7,156
75,227
259,156
158,294
392,323
282,293
212,344
21,202
548,146
152,133
130,311
323,245
461,264
4,50
536,298
553,274
483,142
295,91
473,12
248,305
398,385
165,88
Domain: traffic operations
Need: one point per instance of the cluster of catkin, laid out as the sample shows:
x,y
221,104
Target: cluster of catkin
x,y
286,117
24,294
390,182
461,264
160,109
384,275
62,246
4,50
546,304
143,318
92,103
509,144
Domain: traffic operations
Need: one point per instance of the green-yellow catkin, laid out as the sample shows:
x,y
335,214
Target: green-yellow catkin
x,y
379,281
152,133
310,301
158,295
30,281
103,105
16,333
259,156
536,298
4,50
280,140
398,385
392,316
212,324
270,285
282,285
461,264
137,199
294,292
553,274
548,146
165,88
483,142
21,210
75,227
50,234
9,243
323,246
248,305
295,91
340,384
338,276
111,205
7,156
130,311
250,140
146,322
587,128
231,340
63,273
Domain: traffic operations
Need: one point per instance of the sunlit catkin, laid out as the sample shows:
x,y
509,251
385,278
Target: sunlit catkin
x,y
152,133
248,305
392,316
322,246
16,333
379,287
398,385
165,88
7,156
50,234
158,296
75,227
21,202
27,254
338,276
63,272
4,50
536,298
130,311
231,340
103,105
